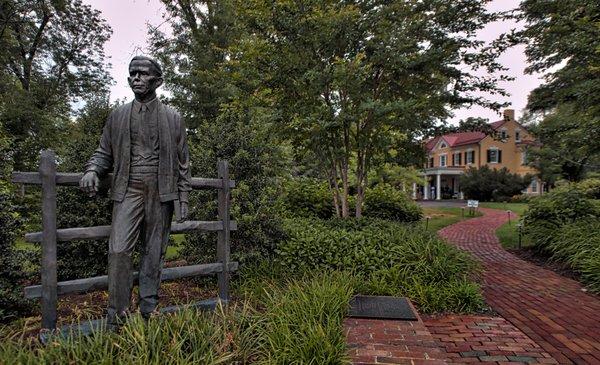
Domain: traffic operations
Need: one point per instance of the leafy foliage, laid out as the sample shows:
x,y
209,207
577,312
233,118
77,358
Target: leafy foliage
x,y
386,202
387,258
12,275
307,197
562,39
549,212
487,184
238,137
53,55
384,73
83,258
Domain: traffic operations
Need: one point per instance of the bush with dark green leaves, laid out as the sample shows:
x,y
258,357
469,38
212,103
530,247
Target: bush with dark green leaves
x,y
12,261
238,136
487,184
307,197
565,225
548,213
590,187
83,258
387,258
386,202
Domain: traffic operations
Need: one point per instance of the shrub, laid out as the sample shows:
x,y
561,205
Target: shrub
x,y
255,161
308,197
12,275
521,198
547,213
487,184
589,187
83,258
384,201
578,244
387,258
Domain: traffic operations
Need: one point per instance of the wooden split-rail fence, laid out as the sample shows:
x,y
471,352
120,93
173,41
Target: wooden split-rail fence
x,y
49,289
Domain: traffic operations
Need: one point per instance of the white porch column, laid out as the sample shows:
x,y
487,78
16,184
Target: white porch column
x,y
414,193
457,185
438,187
426,190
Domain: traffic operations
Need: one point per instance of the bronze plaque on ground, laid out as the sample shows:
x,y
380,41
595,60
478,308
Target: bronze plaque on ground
x,y
365,306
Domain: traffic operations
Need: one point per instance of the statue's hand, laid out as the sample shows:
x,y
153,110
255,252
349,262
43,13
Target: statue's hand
x,y
183,208
90,183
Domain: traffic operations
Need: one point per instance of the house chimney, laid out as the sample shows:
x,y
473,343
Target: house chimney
x,y
509,114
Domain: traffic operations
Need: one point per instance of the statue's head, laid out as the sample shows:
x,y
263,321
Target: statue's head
x,y
145,76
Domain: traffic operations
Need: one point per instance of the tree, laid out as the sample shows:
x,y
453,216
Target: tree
x,y
562,40
347,76
224,120
487,184
52,55
83,258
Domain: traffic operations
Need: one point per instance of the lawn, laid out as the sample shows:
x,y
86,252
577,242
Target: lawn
x,y
441,217
508,233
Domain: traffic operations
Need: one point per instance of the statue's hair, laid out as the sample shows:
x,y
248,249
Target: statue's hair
x,y
151,60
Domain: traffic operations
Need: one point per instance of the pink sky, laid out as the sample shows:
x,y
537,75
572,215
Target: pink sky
x,y
128,18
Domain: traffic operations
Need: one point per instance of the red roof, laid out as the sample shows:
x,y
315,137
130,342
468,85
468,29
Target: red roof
x,y
462,138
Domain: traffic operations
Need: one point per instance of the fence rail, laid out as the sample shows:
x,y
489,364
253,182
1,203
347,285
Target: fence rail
x,y
50,288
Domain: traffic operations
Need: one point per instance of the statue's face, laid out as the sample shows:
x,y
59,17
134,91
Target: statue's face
x,y
143,78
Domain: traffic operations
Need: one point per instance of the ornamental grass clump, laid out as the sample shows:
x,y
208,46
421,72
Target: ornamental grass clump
x,y
185,337
303,321
297,321
578,245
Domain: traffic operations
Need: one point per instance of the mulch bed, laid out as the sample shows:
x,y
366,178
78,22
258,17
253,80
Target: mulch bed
x,y
80,307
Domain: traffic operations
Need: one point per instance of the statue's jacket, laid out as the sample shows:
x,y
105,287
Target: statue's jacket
x,y
114,153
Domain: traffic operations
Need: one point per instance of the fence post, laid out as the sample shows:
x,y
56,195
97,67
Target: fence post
x,y
48,270
223,235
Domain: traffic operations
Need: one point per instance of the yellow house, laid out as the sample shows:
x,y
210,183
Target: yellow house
x,y
450,155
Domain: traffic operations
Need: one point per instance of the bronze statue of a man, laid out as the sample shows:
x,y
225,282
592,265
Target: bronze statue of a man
x,y
144,144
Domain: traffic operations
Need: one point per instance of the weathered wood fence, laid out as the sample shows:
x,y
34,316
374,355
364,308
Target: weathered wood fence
x,y
49,289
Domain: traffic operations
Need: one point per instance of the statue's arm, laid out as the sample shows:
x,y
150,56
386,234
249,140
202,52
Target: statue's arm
x,y
102,159
183,155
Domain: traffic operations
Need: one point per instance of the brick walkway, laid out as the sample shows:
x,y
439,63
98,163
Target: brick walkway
x,y
373,341
482,339
552,310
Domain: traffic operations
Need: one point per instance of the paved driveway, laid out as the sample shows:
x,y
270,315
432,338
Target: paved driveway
x,y
442,203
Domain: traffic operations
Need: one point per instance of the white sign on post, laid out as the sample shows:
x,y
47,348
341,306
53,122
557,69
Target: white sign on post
x,y
472,203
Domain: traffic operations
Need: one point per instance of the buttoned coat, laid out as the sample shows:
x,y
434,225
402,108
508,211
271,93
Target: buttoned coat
x,y
114,153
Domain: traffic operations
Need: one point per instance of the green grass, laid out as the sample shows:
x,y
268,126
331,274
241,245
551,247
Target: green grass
x,y
508,233
445,216
518,208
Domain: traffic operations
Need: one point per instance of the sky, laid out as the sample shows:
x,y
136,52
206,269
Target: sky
x,y
129,19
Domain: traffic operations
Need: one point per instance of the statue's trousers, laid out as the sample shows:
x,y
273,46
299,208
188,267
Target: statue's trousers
x,y
140,214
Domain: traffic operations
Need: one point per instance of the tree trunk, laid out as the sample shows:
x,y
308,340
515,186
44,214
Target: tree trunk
x,y
335,189
345,187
